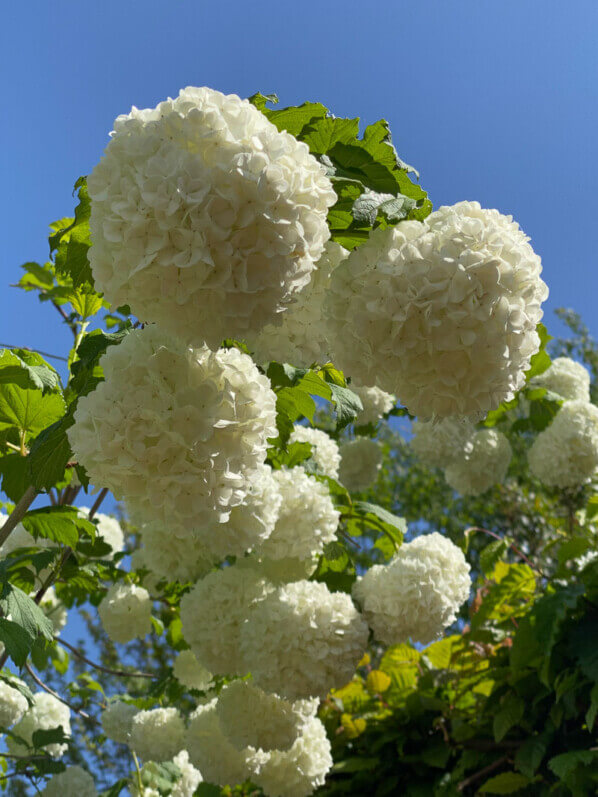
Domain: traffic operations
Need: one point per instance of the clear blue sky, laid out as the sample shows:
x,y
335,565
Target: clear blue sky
x,y
494,101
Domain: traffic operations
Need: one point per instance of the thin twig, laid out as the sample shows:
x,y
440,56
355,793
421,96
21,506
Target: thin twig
x,y
482,773
70,324
98,502
100,667
513,547
37,351
47,689
17,514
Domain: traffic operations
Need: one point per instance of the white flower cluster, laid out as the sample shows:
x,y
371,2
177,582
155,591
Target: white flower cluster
x,y
173,430
125,612
188,671
418,593
437,443
184,786
117,721
302,640
54,610
157,734
109,530
301,338
205,218
174,557
213,612
484,463
307,519
376,404
73,782
280,571
443,313
46,713
566,453
324,450
361,462
295,772
13,705
566,378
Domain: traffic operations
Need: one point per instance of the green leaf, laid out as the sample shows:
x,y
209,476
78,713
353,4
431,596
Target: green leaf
x,y
322,134
505,783
399,524
50,453
540,362
207,790
346,403
61,524
28,410
565,764
295,118
24,611
593,709
15,475
583,648
509,715
116,788
41,738
27,370
37,277
72,243
529,756
491,554
16,640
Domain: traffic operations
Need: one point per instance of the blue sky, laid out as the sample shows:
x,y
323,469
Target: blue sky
x,y
490,101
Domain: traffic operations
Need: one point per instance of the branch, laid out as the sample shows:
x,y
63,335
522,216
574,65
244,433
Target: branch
x,y
47,689
18,513
482,772
98,502
37,351
71,325
100,667
515,550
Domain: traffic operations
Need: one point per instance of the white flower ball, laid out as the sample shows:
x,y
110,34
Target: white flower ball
x,y
437,443
204,217
157,734
211,752
301,338
108,528
418,593
173,429
567,378
249,717
280,571
117,721
566,453
250,523
376,404
139,562
324,450
484,463
443,314
176,558
13,705
361,462
46,713
302,640
297,772
307,518
54,610
188,671
125,612
212,614
189,779
73,782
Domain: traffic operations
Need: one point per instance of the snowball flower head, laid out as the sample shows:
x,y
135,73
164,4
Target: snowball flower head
x,y
301,338
376,404
108,528
13,704
280,571
184,786
212,614
297,772
567,378
250,523
188,671
566,453
157,734
250,717
443,314
361,462
437,444
45,714
172,429
307,518
302,640
54,610
117,721
176,558
418,593
73,782
484,463
324,450
210,750
205,218
125,612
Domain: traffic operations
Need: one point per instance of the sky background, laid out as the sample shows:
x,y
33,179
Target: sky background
x,y
490,101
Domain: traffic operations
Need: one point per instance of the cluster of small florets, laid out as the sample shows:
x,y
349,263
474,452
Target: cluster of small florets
x,y
376,404
187,778
417,595
324,450
125,612
437,444
117,721
482,464
73,781
361,462
566,453
13,704
47,712
157,734
443,314
566,378
108,529
190,672
205,218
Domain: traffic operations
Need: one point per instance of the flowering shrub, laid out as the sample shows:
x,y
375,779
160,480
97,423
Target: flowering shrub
x,y
264,288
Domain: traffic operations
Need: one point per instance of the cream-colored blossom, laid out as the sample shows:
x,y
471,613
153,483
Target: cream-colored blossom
x,y
125,612
376,403
190,672
437,444
73,782
324,450
46,713
13,704
117,720
566,378
108,528
484,463
157,734
361,462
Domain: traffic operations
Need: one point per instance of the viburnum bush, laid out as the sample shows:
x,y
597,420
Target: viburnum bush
x,y
253,294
